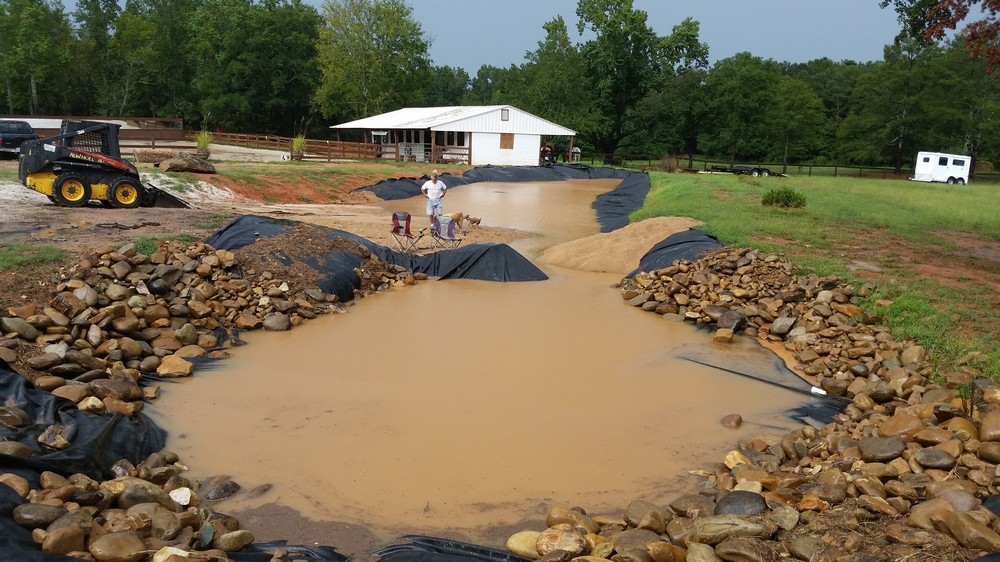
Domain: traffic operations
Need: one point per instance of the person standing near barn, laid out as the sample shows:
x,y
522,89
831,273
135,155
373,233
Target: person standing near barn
x,y
434,190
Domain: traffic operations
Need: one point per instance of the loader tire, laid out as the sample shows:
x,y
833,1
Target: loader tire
x,y
126,193
71,190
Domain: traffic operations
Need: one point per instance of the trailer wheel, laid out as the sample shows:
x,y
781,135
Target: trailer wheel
x,y
960,181
71,190
125,193
765,172
950,181
755,172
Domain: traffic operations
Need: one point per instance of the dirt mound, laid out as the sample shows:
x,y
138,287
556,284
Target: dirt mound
x,y
618,251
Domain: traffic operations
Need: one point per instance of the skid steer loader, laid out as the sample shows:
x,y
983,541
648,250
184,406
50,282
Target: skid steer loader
x,y
83,163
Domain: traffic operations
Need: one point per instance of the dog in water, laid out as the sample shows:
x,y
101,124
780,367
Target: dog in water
x,y
473,221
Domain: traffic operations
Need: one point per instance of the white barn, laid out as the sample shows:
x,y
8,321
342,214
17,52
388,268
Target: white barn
x,y
473,134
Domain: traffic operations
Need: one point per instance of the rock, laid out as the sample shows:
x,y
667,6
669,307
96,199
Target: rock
x,y
175,366
810,548
740,503
277,322
557,515
22,328
218,487
12,416
164,524
717,528
563,536
64,540
642,514
185,162
971,533
123,546
52,438
630,539
36,515
741,550
15,482
881,449
523,544
732,421
233,541
15,449
698,552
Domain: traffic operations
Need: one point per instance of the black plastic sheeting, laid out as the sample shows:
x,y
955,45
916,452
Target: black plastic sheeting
x,y
613,208
485,262
686,245
431,549
97,442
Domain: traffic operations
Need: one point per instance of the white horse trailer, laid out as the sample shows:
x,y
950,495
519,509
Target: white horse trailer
x,y
941,167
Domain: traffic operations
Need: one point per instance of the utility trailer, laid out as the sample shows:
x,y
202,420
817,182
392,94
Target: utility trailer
x,y
754,171
942,167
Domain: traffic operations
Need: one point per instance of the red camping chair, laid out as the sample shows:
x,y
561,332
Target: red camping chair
x,y
445,232
403,239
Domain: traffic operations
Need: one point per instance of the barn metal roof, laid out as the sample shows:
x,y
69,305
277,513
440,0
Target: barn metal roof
x,y
468,118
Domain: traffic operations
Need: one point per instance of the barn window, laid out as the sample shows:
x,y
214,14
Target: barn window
x,y
507,141
505,114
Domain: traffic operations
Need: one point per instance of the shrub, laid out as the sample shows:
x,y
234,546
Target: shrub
x,y
203,139
145,246
784,197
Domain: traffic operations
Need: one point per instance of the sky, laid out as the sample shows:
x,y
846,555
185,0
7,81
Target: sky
x,y
470,33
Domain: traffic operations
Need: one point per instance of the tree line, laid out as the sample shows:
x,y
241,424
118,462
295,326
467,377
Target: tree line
x,y
284,67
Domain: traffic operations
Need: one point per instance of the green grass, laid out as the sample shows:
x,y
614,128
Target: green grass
x,y
9,176
217,221
850,219
14,255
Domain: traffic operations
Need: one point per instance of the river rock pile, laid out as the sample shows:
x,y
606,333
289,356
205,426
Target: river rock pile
x,y
908,471
119,313
146,512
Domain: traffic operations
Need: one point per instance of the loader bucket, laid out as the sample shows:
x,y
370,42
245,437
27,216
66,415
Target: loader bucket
x,y
157,197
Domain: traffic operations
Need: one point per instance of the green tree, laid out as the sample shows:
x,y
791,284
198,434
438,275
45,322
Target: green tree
x,y
975,96
37,45
95,23
373,57
131,53
887,125
932,20
554,84
835,84
741,90
256,63
672,113
794,122
446,87
622,63
493,86
167,54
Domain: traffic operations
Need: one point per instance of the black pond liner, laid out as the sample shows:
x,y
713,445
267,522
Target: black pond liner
x,y
431,549
100,441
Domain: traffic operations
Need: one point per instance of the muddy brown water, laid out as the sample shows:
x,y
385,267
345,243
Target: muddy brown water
x,y
462,405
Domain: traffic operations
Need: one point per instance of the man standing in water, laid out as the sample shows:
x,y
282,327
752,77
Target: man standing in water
x,y
434,189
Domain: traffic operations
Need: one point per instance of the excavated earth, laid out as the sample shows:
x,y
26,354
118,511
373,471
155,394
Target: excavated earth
x,y
905,472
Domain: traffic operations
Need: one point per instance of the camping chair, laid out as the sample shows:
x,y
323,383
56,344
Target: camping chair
x,y
444,232
403,239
